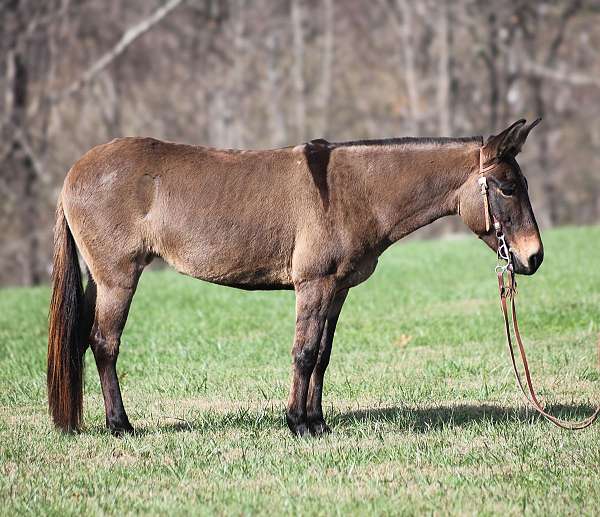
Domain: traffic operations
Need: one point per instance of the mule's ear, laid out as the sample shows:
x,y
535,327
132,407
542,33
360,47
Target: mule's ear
x,y
501,144
510,141
524,132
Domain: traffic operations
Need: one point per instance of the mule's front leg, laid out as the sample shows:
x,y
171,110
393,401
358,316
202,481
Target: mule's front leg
x,y
314,408
312,304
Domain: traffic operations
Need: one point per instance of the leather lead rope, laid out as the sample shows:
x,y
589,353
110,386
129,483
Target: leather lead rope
x,y
509,292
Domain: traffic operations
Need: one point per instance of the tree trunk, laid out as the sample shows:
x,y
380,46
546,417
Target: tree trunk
x,y
492,62
274,88
297,20
326,70
444,77
18,157
410,66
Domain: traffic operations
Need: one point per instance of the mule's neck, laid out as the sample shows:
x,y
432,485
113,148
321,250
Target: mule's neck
x,y
413,185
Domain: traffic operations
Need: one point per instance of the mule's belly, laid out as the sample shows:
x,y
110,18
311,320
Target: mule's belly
x,y
219,268
233,252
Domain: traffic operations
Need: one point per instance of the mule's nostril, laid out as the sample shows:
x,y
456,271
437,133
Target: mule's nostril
x,y
535,260
533,263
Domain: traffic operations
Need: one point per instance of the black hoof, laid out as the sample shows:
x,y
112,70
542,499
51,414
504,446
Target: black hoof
x,y
319,427
301,430
120,428
297,426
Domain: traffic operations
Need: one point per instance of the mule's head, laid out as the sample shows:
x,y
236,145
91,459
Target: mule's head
x,y
508,199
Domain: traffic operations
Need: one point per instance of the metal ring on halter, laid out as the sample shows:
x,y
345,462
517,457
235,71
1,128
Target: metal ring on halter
x,y
482,182
503,268
503,252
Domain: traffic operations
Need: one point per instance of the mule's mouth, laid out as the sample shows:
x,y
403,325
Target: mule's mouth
x,y
520,266
529,267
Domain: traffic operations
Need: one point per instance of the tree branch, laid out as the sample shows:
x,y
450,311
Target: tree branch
x,y
574,78
569,12
128,37
26,147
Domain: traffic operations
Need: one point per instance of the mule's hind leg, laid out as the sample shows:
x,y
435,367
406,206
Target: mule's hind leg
x,y
314,408
312,305
112,307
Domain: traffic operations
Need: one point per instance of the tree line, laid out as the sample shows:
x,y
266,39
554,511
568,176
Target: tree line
x,y
267,73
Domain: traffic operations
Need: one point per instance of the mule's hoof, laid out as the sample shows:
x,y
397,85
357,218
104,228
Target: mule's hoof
x,y
297,425
120,429
301,430
319,427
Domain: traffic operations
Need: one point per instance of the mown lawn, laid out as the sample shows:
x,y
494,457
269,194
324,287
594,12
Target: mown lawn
x,y
425,412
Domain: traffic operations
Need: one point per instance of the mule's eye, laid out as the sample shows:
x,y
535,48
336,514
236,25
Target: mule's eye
x,y
507,190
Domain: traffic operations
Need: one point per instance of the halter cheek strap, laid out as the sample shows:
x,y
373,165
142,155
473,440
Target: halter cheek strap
x,y
484,189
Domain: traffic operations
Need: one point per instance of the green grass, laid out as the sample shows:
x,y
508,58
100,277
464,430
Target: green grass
x,y
425,412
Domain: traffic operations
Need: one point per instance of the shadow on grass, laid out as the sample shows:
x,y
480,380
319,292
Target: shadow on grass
x,y
245,419
405,418
462,415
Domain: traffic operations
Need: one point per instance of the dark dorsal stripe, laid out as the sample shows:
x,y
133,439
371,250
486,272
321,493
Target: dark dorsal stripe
x,y
317,154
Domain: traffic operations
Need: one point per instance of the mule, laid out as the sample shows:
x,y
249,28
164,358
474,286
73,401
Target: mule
x,y
313,218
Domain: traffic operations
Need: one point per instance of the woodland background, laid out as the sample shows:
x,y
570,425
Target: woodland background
x,y
267,73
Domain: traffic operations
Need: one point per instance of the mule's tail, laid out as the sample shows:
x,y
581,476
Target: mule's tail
x,y
65,345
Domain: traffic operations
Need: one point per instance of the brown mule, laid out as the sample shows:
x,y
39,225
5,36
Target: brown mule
x,y
313,218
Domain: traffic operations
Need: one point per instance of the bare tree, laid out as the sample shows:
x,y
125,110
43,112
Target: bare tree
x,y
327,62
297,21
128,37
444,71
404,23
235,73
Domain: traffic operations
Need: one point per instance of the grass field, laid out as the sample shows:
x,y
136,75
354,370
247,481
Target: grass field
x,y
425,413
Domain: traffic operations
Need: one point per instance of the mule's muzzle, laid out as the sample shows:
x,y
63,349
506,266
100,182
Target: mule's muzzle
x,y
531,265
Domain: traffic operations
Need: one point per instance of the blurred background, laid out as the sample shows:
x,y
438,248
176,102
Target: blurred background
x,y
270,73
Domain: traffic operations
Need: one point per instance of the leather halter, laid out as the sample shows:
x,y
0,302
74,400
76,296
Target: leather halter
x,y
484,188
508,292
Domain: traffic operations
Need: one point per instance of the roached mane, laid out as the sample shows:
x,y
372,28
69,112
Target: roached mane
x,y
410,140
